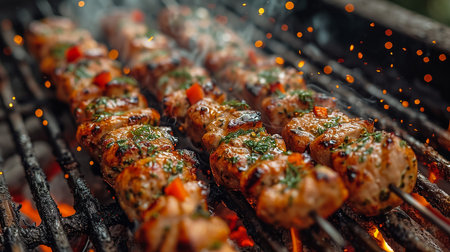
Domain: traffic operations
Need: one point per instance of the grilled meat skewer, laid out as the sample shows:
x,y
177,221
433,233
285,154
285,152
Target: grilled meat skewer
x,y
136,156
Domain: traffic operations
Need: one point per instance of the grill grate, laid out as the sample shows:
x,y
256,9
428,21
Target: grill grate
x,y
56,231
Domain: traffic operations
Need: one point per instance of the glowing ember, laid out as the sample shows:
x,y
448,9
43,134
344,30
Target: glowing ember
x,y
384,91
386,106
327,69
388,32
372,24
299,34
18,39
79,148
426,59
126,70
279,60
38,113
261,11
352,47
296,242
427,78
45,122
432,177
349,78
284,27
388,45
113,54
349,8
47,84
416,101
360,55
301,64
310,29
442,57
289,5
405,104
269,35
380,240
81,3
258,43
419,52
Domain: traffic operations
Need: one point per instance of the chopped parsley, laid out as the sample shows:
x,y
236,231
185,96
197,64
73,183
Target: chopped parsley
x,y
305,96
332,123
240,132
239,105
262,146
293,175
145,132
125,80
269,76
59,50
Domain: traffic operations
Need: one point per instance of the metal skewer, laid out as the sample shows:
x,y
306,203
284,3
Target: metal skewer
x,y
422,209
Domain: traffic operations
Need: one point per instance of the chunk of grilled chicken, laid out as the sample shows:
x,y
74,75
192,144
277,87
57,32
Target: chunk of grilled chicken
x,y
231,121
171,90
254,84
123,146
322,146
194,29
171,228
289,188
44,34
92,109
302,130
90,133
81,74
117,87
280,108
369,165
58,56
142,183
199,115
239,150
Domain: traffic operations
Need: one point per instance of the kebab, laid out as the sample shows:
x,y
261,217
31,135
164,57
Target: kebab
x,y
155,184
244,156
368,161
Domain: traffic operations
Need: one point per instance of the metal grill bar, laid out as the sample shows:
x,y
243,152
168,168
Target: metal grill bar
x,y
423,210
36,178
84,200
10,226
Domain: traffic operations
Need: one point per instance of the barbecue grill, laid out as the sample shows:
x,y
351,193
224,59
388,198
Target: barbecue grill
x,y
349,37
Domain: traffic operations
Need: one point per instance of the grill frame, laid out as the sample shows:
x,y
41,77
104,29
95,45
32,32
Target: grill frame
x,y
266,237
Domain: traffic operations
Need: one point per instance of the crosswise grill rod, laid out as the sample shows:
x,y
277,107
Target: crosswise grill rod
x,y
46,206
84,200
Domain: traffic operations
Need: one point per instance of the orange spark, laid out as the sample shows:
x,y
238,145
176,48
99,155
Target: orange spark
x,y
419,52
289,5
258,43
81,3
310,29
261,11
301,63
426,59
113,54
388,32
38,113
279,60
428,77
327,69
349,78
299,34
284,27
388,45
442,57
349,8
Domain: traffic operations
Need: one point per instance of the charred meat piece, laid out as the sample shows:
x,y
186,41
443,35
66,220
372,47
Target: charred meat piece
x,y
90,133
240,149
142,183
369,165
322,146
302,130
279,108
288,189
92,109
124,146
